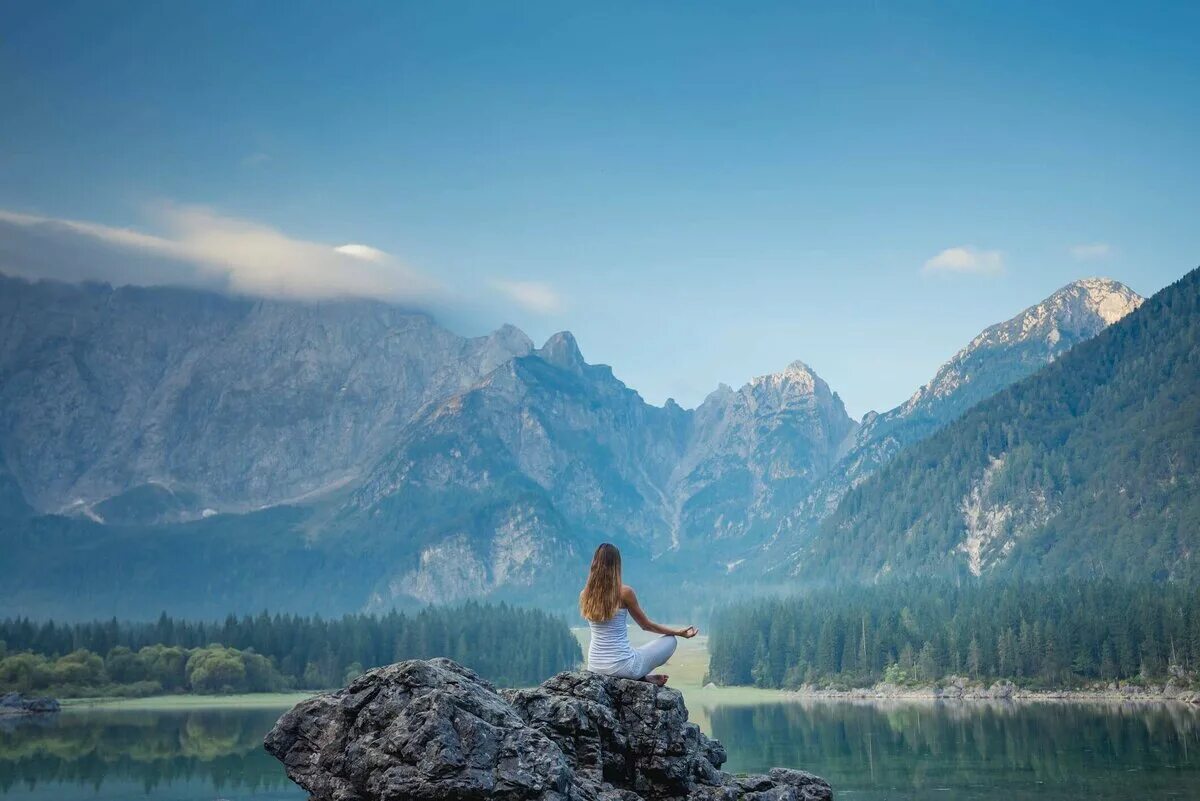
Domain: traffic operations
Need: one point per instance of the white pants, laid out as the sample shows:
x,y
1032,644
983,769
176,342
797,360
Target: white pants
x,y
645,659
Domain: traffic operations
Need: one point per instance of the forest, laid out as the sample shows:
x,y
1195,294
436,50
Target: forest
x,y
1036,633
1093,465
509,646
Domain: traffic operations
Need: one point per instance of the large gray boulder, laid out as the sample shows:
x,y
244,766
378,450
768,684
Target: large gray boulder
x,y
17,704
435,731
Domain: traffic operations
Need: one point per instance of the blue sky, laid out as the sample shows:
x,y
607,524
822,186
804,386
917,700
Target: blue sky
x,y
701,192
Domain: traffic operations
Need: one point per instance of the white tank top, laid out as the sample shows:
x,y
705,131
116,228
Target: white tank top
x,y
610,642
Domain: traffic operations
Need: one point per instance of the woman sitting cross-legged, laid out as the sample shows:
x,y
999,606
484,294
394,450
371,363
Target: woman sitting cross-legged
x,y
607,604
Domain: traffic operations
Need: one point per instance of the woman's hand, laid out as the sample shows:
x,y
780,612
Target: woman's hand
x,y
688,633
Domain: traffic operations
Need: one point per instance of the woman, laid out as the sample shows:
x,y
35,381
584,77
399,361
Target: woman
x,y
607,605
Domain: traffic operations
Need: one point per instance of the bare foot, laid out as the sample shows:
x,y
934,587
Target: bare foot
x,y
657,679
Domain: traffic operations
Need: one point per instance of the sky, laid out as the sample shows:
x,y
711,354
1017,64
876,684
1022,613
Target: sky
x,y
701,192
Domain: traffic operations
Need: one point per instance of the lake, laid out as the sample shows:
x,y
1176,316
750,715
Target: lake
x,y
896,750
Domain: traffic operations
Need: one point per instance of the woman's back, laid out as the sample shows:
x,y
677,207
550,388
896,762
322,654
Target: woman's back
x,y
607,604
610,641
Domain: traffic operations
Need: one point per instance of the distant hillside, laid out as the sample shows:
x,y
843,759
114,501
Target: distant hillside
x,y
1089,467
516,480
181,450
169,404
998,357
185,450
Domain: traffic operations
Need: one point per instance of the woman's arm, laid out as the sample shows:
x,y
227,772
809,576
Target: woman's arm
x,y
629,598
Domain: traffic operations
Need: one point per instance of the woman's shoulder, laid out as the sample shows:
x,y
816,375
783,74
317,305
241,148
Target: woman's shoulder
x,y
627,593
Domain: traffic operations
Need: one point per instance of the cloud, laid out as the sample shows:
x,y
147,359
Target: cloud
x,y
1094,251
364,252
965,260
196,246
532,296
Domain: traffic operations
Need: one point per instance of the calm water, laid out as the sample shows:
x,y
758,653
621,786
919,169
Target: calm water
x,y
900,751
973,750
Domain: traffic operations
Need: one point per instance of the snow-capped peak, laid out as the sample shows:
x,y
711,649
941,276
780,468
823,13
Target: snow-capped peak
x,y
1076,312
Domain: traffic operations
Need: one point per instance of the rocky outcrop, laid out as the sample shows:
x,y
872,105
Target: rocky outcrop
x,y
435,730
17,704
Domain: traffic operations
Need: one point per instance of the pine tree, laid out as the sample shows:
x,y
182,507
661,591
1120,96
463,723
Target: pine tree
x,y
974,658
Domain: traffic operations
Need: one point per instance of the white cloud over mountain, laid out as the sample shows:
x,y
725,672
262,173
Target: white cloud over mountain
x,y
193,245
184,245
965,260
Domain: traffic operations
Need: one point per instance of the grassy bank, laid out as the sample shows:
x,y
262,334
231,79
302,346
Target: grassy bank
x,y
193,701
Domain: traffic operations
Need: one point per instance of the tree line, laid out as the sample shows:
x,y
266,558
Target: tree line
x,y
508,645
1036,633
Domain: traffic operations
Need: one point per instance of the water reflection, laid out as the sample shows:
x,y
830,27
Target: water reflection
x,y
871,751
165,755
901,750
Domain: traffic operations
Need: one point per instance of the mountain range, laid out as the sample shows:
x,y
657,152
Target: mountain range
x,y
182,450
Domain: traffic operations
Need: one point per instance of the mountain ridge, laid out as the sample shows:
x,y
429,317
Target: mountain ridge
x,y
995,358
500,471
1086,467
107,390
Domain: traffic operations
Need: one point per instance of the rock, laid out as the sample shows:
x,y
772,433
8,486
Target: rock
x,y
17,704
950,691
435,731
1002,689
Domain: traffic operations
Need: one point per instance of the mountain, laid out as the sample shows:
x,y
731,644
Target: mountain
x,y
447,468
518,477
753,455
181,450
1090,466
159,404
12,500
998,357
496,490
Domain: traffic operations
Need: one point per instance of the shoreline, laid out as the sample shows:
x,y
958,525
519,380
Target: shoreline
x,y
1006,691
190,701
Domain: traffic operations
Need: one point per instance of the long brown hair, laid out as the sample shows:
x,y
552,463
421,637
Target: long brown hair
x,y
601,596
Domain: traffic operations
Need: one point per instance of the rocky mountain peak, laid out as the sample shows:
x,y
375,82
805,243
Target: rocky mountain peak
x,y
1078,311
722,394
1108,299
562,350
1083,308
799,373
513,339
795,382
